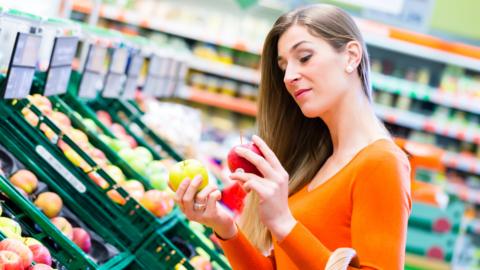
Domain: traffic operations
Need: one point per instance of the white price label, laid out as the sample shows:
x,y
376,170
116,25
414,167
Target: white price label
x,y
60,168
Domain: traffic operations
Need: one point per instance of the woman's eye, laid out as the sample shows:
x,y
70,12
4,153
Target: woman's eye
x,y
305,58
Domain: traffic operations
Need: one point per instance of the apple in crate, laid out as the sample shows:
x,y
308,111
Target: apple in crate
x,y
30,116
236,162
115,196
115,173
99,180
41,102
82,239
25,180
64,226
40,266
10,260
143,153
158,202
41,254
50,203
90,124
10,228
15,245
200,263
61,120
187,169
134,188
104,117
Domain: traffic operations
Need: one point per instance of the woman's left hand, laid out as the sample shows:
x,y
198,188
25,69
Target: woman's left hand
x,y
272,188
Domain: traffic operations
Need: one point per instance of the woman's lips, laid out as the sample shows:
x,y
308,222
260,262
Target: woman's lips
x,y
300,92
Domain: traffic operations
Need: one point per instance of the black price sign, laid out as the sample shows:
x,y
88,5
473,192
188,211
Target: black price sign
x,y
92,78
22,66
60,68
116,75
133,71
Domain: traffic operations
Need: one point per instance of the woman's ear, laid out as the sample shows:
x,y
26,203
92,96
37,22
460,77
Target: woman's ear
x,y
354,53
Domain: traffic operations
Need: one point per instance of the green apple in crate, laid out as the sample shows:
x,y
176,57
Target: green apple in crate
x,y
10,228
187,169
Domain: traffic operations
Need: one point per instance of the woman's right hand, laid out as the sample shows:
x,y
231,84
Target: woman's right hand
x,y
203,207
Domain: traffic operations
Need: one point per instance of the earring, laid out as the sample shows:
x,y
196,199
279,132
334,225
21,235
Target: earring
x,y
349,69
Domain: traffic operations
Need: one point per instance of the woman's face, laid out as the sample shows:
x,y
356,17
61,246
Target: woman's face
x,y
314,73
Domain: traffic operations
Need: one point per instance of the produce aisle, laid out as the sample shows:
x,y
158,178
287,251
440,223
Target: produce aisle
x,y
99,107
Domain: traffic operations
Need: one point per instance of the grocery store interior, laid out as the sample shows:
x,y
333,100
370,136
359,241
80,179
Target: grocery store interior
x,y
100,100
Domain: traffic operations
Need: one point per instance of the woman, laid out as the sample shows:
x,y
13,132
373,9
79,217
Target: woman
x,y
333,178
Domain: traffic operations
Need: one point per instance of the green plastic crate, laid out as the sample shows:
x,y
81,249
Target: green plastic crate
x,y
127,224
60,247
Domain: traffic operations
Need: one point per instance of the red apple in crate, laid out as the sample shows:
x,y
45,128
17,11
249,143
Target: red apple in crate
x,y
82,239
80,138
41,254
50,203
30,116
134,188
118,129
10,228
42,103
25,180
158,202
29,241
40,266
10,260
64,226
115,173
235,161
187,169
200,263
61,120
131,141
99,180
18,247
115,196
104,117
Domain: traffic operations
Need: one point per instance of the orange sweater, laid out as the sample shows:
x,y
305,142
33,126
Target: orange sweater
x,y
364,206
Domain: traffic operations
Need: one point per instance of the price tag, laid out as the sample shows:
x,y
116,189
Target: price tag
x,y
60,168
92,78
22,66
60,68
116,76
130,88
89,84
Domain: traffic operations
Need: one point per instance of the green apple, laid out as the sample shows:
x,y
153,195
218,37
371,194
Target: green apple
x,y
143,153
139,165
10,228
118,145
159,180
187,169
90,124
104,138
115,173
155,167
127,154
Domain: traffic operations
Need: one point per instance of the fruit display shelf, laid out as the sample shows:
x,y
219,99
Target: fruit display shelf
x,y
35,224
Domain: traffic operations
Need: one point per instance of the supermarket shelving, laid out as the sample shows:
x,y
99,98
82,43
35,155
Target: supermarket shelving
x,y
376,34
421,262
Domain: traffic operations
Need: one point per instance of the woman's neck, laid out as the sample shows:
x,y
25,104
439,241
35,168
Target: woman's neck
x,y
353,124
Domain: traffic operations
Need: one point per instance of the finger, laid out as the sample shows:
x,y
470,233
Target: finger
x,y
212,200
182,188
244,177
202,196
259,188
189,195
258,161
267,152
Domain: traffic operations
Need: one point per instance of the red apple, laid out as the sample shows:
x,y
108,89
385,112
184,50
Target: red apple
x,y
30,116
10,260
64,226
187,169
61,120
134,188
118,130
25,180
158,202
235,161
97,179
116,197
104,117
18,247
41,254
131,141
40,266
50,203
82,239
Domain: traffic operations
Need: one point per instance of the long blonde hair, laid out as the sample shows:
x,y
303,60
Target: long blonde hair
x,y
301,144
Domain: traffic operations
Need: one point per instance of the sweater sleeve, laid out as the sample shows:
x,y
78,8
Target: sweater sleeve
x,y
242,255
380,209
